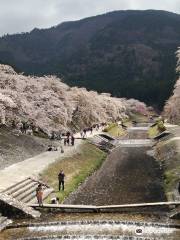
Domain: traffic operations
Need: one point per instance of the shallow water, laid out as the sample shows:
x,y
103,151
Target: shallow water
x,y
97,230
96,226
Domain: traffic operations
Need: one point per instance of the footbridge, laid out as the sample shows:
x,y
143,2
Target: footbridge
x,y
139,207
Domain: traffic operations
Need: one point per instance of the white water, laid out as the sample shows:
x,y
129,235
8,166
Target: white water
x,y
108,229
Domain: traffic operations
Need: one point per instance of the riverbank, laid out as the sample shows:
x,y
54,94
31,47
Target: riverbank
x,y
167,152
129,175
76,167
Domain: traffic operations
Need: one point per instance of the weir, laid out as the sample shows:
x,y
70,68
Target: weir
x,y
98,230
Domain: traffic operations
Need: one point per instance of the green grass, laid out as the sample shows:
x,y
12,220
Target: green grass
x,y
140,118
171,178
168,153
157,129
76,168
153,131
114,130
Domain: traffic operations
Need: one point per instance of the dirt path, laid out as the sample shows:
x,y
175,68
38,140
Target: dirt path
x,y
35,165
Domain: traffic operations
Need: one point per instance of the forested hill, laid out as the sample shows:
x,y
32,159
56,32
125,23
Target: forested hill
x,y
126,53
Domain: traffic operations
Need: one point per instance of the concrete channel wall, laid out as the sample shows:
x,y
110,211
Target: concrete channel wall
x,y
9,207
167,151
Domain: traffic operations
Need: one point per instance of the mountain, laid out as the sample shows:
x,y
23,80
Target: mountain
x,y
126,53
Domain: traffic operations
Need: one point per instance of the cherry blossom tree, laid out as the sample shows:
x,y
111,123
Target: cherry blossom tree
x,y
51,105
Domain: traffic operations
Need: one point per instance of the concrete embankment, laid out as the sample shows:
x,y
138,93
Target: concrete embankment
x,y
167,151
128,175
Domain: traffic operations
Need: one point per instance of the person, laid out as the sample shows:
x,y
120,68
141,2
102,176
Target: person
x,y
179,187
61,177
123,126
91,130
85,135
25,127
55,200
53,135
65,141
62,150
81,133
68,134
49,148
39,195
72,140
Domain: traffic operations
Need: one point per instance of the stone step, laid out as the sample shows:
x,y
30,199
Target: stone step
x,y
101,141
175,213
17,186
46,193
24,189
32,197
28,198
27,192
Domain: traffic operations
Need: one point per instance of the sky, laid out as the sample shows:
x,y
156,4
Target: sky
x,y
18,16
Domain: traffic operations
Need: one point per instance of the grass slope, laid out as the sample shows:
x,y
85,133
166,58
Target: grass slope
x,y
77,168
114,130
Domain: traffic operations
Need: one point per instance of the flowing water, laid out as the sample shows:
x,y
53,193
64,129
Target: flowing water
x,y
98,230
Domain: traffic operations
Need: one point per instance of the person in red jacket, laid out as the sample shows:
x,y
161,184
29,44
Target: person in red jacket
x,y
39,194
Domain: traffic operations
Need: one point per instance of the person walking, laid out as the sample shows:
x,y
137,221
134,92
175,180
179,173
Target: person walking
x,y
85,134
179,187
91,130
82,134
68,141
39,195
72,140
61,177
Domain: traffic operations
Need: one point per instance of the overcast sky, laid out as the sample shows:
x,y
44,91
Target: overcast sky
x,y
24,15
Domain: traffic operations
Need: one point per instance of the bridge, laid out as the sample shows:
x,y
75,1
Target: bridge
x,y
157,206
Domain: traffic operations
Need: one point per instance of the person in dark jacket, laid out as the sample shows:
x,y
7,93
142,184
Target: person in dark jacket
x,y
72,140
61,177
179,187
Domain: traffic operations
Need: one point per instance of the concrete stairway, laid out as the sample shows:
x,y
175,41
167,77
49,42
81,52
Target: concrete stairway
x,y
4,222
25,191
175,213
102,142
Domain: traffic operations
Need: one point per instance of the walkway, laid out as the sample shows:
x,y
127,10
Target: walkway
x,y
121,207
134,142
32,167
